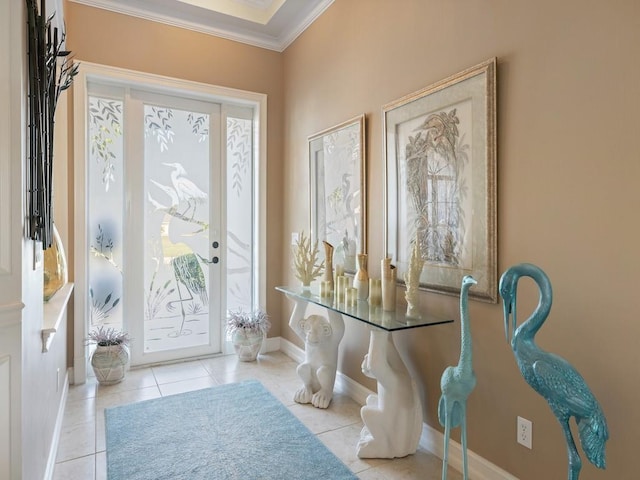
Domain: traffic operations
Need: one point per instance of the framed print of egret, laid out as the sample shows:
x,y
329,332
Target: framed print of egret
x,y
440,149
337,167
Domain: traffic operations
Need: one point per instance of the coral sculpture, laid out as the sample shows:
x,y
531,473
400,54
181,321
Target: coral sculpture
x,y
305,260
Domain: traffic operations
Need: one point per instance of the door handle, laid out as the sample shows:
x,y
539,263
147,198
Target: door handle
x,y
215,260
215,244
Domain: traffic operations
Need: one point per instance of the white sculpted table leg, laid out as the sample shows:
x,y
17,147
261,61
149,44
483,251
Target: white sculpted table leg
x,y
321,339
392,418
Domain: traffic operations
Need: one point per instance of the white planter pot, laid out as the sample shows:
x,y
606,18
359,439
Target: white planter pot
x,y
247,344
109,363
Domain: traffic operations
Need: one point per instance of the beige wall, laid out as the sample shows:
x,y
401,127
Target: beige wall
x,y
568,172
568,88
106,38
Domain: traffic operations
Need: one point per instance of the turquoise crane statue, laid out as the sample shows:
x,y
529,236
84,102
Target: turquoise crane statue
x,y
457,383
552,376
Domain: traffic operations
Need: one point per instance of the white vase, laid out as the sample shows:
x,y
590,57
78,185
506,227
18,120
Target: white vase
x,y
328,265
247,344
361,278
109,363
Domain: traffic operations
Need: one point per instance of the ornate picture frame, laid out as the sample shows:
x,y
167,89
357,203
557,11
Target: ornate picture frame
x,y
337,174
440,150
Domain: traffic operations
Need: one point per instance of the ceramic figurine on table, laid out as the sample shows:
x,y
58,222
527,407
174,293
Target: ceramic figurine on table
x,y
457,383
552,376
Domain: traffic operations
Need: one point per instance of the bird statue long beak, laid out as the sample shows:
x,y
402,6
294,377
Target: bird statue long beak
x,y
509,309
506,311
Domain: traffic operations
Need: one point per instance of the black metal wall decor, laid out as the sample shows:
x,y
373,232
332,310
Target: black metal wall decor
x,y
48,77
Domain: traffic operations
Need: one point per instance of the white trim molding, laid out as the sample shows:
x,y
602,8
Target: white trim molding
x,y
293,18
53,451
11,314
479,468
5,416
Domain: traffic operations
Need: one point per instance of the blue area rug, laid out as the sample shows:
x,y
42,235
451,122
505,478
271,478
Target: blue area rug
x,y
233,431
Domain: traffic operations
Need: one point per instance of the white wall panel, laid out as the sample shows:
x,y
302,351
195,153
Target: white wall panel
x,y
5,138
5,417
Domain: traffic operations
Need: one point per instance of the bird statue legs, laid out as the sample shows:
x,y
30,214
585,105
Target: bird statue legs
x,y
463,438
448,424
447,435
575,463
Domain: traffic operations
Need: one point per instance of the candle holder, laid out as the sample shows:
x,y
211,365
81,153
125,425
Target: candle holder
x,y
388,285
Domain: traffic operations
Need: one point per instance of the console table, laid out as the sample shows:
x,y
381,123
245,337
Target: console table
x,y
393,417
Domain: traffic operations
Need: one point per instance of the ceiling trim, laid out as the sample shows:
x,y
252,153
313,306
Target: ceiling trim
x,y
258,11
219,28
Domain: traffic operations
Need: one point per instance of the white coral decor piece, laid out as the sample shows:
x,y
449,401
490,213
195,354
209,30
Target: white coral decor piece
x,y
305,260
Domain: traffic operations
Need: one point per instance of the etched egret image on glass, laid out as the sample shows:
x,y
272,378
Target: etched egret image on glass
x,y
434,157
176,228
337,190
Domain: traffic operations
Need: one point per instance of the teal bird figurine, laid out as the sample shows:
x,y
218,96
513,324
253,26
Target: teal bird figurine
x,y
457,383
552,376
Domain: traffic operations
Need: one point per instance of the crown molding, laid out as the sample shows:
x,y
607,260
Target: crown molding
x,y
217,25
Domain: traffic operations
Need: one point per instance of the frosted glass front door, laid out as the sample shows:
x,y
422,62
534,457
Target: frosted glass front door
x,y
171,219
181,256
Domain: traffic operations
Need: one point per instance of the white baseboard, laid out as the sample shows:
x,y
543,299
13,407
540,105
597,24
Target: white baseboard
x,y
53,451
479,468
291,350
270,345
431,439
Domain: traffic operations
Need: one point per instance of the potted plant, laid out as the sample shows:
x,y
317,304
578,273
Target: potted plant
x,y
247,330
111,355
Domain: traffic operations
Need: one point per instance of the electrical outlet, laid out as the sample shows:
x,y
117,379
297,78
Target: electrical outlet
x,y
524,432
294,238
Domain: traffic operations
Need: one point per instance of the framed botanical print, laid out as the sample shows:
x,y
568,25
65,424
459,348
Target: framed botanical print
x,y
440,149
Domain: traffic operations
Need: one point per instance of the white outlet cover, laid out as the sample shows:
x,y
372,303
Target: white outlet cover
x,y
524,433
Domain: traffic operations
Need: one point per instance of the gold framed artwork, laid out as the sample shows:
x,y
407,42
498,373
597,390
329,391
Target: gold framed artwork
x,y
440,151
337,166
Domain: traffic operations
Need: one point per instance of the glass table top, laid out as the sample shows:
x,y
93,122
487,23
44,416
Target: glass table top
x,y
362,311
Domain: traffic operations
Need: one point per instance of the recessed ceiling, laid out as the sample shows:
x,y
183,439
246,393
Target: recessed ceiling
x,y
272,24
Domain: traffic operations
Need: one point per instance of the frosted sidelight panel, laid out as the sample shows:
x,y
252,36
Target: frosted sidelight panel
x,y
239,214
105,194
176,228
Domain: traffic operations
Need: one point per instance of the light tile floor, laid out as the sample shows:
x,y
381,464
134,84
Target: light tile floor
x,y
81,451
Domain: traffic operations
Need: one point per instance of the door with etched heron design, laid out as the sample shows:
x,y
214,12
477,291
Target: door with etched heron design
x,y
167,235
175,224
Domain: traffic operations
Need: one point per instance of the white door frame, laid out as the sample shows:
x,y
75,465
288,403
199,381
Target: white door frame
x,y
111,75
